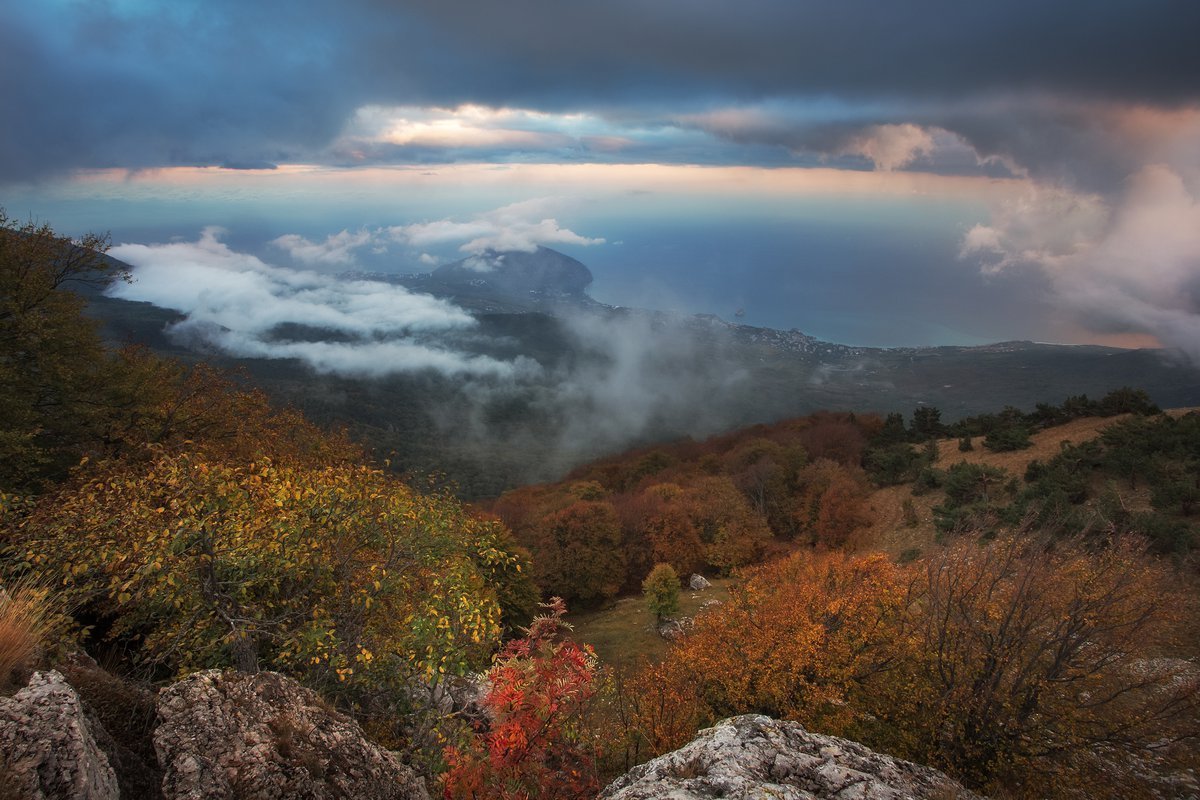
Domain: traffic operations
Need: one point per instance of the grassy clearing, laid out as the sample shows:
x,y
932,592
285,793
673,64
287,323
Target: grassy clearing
x,y
625,632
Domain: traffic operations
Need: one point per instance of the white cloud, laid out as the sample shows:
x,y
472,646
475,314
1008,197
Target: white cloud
x,y
466,127
237,303
1130,263
337,249
1046,225
519,226
891,147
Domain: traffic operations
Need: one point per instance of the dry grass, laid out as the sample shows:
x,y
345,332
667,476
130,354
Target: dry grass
x,y
1046,445
890,531
25,621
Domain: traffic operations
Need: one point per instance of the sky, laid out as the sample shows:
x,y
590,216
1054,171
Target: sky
x,y
886,174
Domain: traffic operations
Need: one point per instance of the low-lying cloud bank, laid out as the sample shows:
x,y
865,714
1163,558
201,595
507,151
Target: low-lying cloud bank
x,y
517,226
619,376
246,307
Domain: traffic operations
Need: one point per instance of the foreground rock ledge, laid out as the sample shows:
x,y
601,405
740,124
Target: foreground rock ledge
x,y
47,746
757,757
263,736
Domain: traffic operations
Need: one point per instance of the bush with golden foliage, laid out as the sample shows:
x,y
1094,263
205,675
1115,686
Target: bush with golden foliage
x,y
340,576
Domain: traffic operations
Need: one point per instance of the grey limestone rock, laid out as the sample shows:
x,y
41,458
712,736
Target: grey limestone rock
x,y
48,748
752,757
264,737
698,583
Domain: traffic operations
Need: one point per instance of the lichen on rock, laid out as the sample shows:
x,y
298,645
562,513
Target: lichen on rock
x,y
237,736
752,757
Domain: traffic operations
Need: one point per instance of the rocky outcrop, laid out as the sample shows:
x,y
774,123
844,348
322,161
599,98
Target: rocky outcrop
x,y
674,628
756,757
698,583
264,737
120,715
47,746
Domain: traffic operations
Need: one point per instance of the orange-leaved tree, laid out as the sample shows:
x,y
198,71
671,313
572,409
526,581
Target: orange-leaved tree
x,y
832,506
578,554
798,639
1055,665
732,533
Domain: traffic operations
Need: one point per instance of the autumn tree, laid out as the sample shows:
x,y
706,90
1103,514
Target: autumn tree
x,y
661,590
64,396
764,471
834,437
1015,662
674,539
51,358
1040,659
732,534
156,405
577,552
832,506
796,640
338,575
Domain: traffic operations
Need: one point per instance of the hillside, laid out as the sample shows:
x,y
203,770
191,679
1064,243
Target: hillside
x,y
649,490
893,533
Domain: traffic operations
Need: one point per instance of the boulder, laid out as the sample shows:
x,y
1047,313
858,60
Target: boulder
x,y
49,750
755,756
670,629
673,628
698,582
224,734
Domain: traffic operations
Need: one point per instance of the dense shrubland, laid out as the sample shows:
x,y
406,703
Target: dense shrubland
x,y
168,518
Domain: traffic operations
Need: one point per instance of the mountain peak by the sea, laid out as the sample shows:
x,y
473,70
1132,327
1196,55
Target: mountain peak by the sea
x,y
516,271
508,281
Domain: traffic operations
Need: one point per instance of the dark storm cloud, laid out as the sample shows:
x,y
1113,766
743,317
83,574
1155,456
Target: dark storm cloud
x,y
90,86
927,48
232,83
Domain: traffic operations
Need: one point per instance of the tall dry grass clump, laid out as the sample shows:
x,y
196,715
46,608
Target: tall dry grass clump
x,y
25,621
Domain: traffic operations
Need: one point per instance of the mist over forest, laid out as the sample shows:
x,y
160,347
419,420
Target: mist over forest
x,y
500,369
